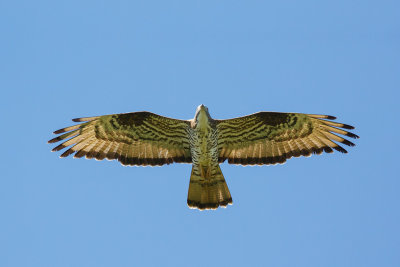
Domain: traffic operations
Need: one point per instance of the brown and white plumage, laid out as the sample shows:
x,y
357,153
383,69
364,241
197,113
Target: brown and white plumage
x,y
273,137
137,138
144,138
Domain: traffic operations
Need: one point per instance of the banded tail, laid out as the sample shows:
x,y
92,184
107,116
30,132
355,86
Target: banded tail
x,y
208,189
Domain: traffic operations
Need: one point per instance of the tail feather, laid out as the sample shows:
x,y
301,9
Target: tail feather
x,y
208,191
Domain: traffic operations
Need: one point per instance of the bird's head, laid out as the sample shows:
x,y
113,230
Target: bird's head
x,y
202,114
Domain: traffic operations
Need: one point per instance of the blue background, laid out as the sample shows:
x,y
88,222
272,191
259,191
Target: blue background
x,y
67,59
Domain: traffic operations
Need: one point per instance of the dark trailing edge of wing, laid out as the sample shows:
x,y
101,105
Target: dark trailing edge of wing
x,y
279,159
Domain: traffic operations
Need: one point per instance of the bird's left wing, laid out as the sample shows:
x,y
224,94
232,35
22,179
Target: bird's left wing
x,y
137,138
273,137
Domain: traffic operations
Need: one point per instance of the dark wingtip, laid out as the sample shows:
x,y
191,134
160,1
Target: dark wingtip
x,y
52,141
352,135
67,153
58,148
340,149
77,120
347,142
59,131
329,117
346,126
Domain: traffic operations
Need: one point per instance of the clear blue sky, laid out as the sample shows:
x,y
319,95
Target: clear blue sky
x,y
65,59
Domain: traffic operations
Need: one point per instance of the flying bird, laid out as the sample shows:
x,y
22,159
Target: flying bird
x,y
144,138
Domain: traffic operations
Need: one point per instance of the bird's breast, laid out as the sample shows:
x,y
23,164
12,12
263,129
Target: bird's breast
x,y
203,146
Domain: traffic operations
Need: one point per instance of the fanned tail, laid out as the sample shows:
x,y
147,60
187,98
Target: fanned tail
x,y
208,189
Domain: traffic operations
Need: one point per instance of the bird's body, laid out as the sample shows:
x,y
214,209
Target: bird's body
x,y
203,140
144,138
207,187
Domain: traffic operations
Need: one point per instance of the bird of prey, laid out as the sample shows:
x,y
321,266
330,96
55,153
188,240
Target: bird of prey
x,y
144,138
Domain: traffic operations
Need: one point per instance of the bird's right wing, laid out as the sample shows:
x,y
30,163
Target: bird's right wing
x,y
273,137
137,138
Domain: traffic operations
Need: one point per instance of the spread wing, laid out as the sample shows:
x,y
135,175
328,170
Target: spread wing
x,y
137,138
272,137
